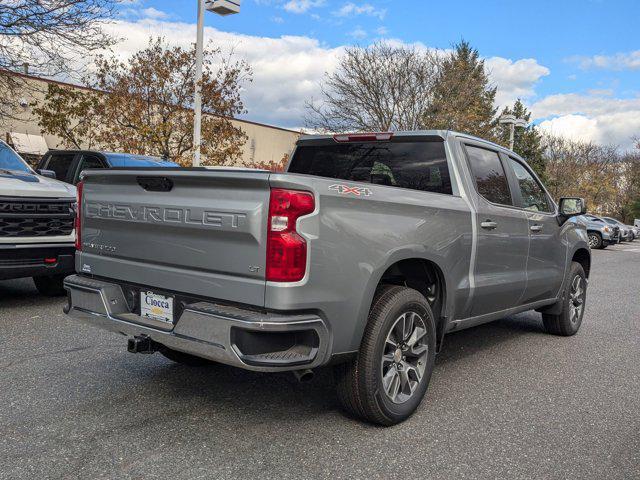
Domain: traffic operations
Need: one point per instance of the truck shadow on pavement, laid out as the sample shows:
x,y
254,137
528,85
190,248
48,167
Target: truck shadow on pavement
x,y
152,388
212,391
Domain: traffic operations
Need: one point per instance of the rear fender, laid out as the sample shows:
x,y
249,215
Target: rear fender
x,y
406,253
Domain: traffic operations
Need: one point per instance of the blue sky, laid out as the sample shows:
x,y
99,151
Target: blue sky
x,y
575,63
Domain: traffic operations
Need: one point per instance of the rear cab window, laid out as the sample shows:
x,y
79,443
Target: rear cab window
x,y
404,163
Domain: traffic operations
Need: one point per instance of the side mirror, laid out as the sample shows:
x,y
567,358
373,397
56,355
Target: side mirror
x,y
47,173
571,207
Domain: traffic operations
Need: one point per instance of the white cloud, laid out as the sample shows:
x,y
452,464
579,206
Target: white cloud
x,y
153,13
618,61
301,6
358,33
286,69
592,117
382,31
351,9
514,79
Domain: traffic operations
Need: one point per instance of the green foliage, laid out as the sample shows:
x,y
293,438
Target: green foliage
x,y
463,97
527,141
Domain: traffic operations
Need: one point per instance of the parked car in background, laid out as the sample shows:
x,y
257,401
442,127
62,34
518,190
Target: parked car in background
x,y
68,164
363,255
37,217
601,233
636,232
626,234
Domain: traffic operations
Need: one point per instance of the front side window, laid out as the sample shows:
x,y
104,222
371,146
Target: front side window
x,y
418,165
489,175
10,160
534,197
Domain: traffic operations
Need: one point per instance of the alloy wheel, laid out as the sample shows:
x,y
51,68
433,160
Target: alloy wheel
x,y
576,299
404,357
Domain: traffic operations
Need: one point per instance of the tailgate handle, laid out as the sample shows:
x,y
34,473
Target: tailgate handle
x,y
155,184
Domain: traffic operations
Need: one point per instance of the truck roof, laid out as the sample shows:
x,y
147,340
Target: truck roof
x,y
443,134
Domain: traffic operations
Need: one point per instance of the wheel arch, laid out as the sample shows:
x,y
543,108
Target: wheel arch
x,y
583,257
415,271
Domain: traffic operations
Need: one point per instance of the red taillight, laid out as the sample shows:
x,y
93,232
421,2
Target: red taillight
x,y
286,249
363,137
78,221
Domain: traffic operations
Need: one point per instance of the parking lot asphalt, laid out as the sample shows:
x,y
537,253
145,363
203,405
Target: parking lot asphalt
x,y
506,401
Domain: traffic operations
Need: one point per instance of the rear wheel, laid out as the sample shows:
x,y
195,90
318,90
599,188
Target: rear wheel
x,y
51,286
595,240
387,380
184,358
574,298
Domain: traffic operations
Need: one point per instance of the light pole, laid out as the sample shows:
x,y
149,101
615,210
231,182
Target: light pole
x,y
513,122
221,7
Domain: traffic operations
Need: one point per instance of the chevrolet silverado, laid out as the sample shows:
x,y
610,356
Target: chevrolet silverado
x,y
362,255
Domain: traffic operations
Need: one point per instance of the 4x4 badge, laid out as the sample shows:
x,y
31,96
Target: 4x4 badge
x,y
347,190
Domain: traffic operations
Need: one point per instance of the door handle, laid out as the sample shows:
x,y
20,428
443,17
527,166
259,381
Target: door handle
x,y
489,225
535,228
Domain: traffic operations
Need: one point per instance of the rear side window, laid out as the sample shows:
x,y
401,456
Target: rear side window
x,y
60,163
417,165
489,175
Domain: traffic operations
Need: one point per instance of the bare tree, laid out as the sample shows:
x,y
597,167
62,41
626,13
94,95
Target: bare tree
x,y
378,88
584,169
52,36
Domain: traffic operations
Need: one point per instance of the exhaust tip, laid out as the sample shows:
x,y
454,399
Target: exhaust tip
x,y
304,376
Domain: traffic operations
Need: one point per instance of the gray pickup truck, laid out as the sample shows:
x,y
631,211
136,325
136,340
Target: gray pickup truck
x,y
363,255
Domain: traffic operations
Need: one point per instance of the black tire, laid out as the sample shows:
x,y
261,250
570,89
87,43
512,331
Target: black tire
x,y
359,383
568,323
595,240
50,286
185,358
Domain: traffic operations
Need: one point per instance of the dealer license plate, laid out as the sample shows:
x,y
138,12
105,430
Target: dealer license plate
x,y
156,307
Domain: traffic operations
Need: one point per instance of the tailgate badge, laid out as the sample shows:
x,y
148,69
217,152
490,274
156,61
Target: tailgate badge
x,y
86,268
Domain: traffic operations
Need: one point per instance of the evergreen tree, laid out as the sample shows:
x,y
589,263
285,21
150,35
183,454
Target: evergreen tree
x,y
463,97
527,141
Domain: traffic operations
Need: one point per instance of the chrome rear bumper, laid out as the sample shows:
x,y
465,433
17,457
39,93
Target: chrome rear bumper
x,y
234,336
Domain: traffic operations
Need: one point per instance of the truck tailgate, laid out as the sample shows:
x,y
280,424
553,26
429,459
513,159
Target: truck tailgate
x,y
199,232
